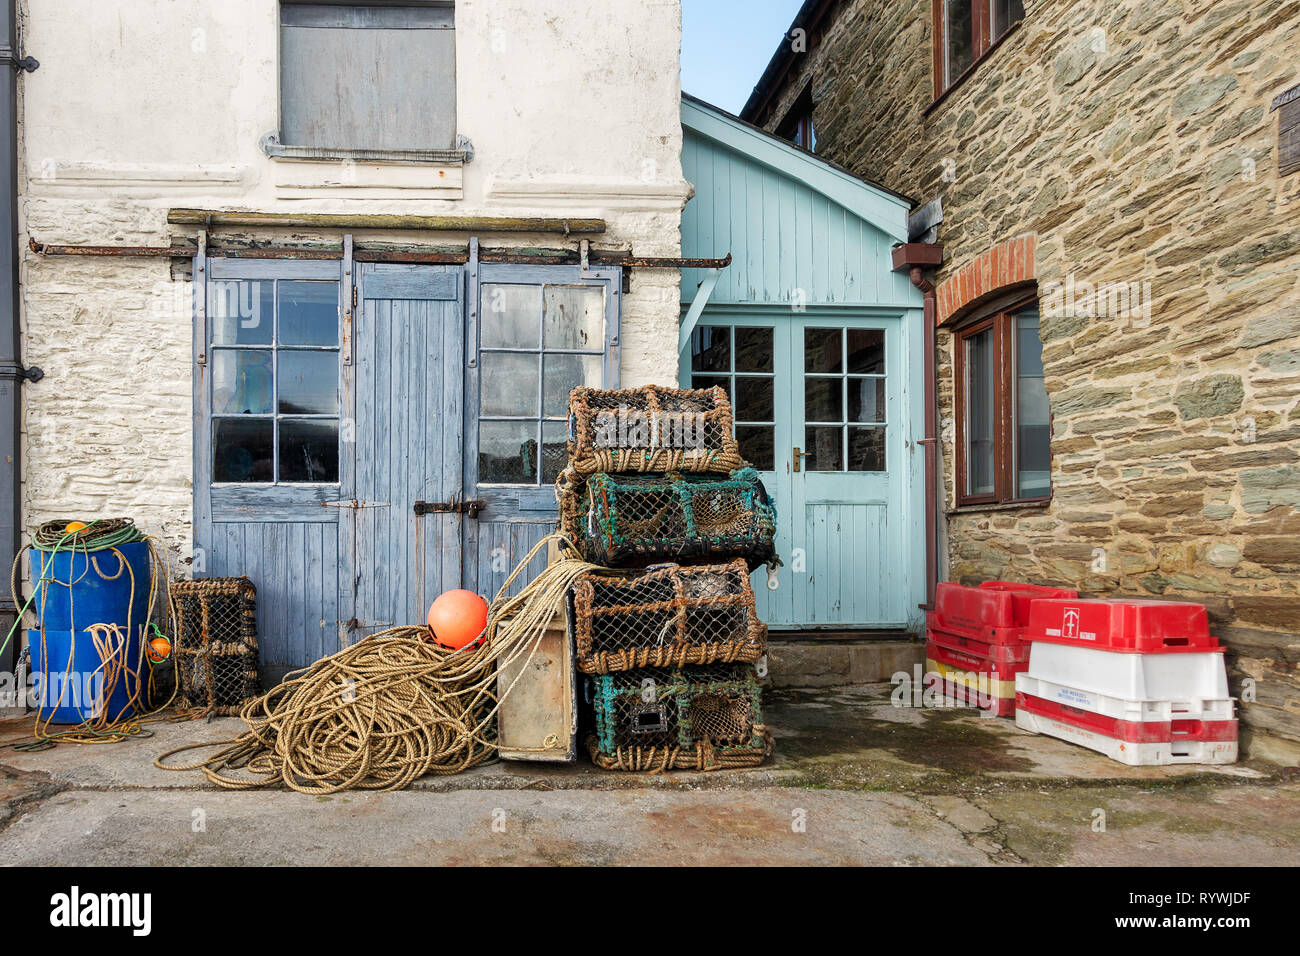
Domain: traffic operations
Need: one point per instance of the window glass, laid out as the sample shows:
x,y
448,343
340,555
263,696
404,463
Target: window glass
x,y
241,312
309,450
309,383
287,365
243,449
823,449
511,316
844,382
574,317
981,385
866,449
508,384
507,452
822,350
823,399
867,400
242,381
758,445
562,373
755,399
866,348
1005,13
537,343
309,313
960,36
711,349
750,385
1033,416
754,350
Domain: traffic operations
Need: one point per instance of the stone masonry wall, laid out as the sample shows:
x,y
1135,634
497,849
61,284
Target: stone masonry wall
x,y
1134,138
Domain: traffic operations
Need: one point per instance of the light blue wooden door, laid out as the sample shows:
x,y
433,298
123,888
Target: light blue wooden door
x,y
271,398
821,411
849,558
409,445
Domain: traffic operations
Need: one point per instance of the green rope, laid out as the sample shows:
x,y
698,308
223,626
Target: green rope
x,y
53,537
99,535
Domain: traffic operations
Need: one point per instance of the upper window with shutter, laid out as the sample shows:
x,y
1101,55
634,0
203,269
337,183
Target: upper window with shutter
x,y
367,76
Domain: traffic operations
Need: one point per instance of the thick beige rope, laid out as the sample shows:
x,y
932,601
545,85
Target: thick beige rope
x,y
393,707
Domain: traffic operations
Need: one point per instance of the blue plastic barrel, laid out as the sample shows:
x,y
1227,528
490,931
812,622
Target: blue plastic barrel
x,y
74,590
69,681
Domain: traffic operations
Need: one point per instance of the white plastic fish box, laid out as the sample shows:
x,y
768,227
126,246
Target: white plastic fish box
x,y
1183,676
1126,708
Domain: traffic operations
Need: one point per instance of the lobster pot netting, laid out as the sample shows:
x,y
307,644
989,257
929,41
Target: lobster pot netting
x,y
651,428
631,520
668,617
215,650
690,718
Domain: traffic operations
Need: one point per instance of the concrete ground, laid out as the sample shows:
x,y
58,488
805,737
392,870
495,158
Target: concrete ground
x,y
854,781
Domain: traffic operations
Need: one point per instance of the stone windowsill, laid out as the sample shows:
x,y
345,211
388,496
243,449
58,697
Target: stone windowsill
x,y
459,156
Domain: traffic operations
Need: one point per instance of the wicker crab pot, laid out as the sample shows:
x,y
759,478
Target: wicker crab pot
x,y
651,429
215,649
666,617
691,718
634,520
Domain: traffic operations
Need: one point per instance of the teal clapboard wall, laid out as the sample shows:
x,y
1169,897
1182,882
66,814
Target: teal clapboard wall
x,y
810,247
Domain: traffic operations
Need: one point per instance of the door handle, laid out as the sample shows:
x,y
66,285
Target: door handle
x,y
799,456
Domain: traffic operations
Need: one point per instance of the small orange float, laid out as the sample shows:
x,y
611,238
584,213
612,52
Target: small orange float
x,y
159,650
457,618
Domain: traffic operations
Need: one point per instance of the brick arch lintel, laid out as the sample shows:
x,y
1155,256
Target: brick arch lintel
x,y
1000,268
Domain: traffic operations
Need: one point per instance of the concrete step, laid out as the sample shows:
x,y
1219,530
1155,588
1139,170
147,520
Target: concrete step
x,y
808,662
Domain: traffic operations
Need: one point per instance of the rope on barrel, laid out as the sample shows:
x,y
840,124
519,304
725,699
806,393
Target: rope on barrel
x,y
112,645
394,706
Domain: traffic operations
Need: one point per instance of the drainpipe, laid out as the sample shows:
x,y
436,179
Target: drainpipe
x,y
917,258
12,373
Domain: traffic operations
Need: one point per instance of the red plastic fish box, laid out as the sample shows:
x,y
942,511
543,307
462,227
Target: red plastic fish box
x,y
966,675
1130,731
996,612
1143,627
964,696
1011,653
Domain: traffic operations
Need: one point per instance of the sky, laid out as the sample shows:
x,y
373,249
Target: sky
x,y
727,43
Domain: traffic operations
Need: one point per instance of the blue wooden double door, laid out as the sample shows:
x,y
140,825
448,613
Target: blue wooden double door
x,y
369,435
825,410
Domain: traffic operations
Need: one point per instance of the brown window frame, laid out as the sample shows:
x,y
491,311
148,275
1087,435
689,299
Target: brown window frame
x,y
798,122
1000,317
982,43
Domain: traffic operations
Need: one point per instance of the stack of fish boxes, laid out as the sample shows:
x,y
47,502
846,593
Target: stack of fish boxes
x,y
1140,681
674,652
976,640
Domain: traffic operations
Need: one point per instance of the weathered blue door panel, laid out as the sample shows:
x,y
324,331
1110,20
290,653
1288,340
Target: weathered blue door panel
x,y
284,535
515,311
409,357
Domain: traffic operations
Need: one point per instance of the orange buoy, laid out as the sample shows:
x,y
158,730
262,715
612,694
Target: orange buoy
x,y
159,650
73,527
457,618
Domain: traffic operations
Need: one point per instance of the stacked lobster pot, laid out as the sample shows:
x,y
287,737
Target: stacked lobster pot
x,y
667,637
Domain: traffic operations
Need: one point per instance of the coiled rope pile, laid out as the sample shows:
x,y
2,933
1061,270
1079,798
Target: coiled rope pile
x,y
394,706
